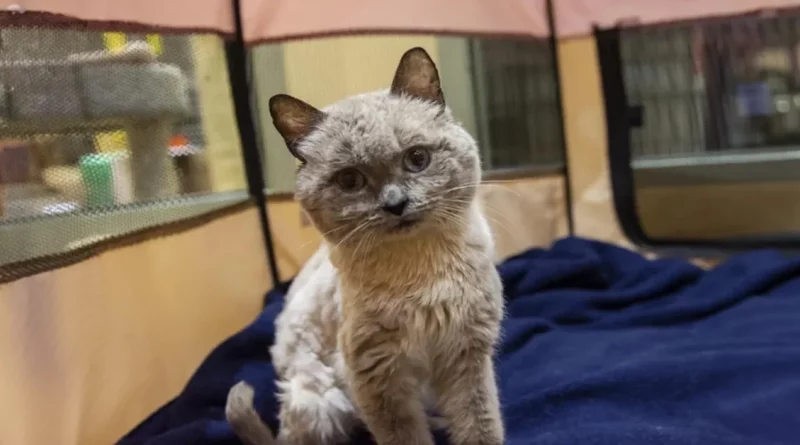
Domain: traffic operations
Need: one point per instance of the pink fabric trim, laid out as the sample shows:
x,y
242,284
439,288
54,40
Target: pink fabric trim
x,y
211,15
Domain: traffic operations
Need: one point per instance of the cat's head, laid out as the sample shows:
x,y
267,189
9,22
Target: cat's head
x,y
387,163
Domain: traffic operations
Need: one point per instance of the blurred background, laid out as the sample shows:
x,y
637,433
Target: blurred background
x,y
107,134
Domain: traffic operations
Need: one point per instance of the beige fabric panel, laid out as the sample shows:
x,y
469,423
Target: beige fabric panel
x,y
206,15
90,350
282,19
293,236
525,213
593,210
714,211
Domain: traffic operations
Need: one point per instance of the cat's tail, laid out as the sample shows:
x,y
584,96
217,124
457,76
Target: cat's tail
x,y
244,419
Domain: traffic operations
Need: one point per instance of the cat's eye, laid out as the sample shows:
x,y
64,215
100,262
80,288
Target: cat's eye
x,y
350,179
416,159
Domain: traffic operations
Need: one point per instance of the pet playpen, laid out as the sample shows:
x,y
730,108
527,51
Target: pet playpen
x,y
136,233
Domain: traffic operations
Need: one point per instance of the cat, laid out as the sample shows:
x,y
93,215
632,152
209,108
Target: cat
x,y
398,312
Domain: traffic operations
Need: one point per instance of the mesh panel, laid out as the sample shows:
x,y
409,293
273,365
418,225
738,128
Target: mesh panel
x,y
102,133
516,81
715,86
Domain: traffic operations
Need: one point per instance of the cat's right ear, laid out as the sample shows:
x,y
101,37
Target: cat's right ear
x,y
294,120
417,76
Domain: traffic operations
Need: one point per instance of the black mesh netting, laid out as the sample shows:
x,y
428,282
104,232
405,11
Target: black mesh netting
x,y
103,133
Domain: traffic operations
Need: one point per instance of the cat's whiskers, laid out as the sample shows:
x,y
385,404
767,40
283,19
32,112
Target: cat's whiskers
x,y
487,206
497,222
449,217
483,204
503,188
341,227
352,232
458,187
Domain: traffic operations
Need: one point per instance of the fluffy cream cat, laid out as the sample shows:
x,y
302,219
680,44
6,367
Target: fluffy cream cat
x,y
400,310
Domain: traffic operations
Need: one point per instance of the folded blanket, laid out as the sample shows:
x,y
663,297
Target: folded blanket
x,y
600,346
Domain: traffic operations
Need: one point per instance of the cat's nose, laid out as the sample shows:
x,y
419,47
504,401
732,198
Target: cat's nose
x,y
396,208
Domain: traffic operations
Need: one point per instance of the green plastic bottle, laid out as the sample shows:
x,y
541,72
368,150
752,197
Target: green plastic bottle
x,y
98,179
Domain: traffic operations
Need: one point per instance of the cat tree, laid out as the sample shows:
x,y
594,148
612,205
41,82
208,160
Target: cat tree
x,y
102,91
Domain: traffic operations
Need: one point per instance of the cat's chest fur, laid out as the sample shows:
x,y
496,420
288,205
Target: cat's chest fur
x,y
438,295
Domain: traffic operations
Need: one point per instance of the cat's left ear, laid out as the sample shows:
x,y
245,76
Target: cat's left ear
x,y
417,76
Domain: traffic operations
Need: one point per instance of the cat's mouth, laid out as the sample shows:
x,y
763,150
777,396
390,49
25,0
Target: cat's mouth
x,y
405,224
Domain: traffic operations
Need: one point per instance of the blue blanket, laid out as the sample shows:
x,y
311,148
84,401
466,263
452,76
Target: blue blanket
x,y
600,346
